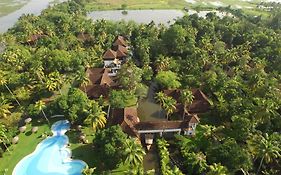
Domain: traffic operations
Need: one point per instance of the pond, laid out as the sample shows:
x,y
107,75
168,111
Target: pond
x,y
139,16
148,109
32,7
165,17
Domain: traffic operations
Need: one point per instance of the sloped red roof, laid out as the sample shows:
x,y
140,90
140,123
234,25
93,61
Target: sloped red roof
x,y
191,118
99,84
120,50
127,118
120,40
109,55
200,103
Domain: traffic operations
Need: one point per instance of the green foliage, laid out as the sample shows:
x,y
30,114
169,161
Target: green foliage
x,y
115,148
217,169
74,105
229,154
168,80
129,76
235,61
178,39
165,159
109,144
147,73
141,91
121,98
96,116
265,148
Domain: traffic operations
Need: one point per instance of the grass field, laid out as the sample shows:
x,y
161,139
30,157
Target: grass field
x,y
9,6
136,4
26,145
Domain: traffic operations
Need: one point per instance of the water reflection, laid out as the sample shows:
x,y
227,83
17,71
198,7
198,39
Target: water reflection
x,y
32,7
165,17
139,16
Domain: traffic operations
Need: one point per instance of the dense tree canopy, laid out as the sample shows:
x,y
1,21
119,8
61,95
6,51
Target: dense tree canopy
x,y
234,60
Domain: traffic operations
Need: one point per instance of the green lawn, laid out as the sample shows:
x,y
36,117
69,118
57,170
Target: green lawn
x,y
28,142
81,151
136,4
26,145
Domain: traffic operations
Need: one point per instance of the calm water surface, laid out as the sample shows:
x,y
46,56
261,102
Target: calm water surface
x,y
32,7
139,16
165,17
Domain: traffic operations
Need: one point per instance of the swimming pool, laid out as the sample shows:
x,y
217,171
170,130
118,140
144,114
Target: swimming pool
x,y
51,157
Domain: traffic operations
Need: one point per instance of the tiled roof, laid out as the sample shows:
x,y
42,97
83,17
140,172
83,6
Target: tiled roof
x,y
109,55
127,118
120,50
191,118
99,84
120,40
200,103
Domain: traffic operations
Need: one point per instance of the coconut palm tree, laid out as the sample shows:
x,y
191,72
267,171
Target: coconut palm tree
x,y
196,162
3,81
160,98
85,82
134,153
5,109
217,169
3,137
169,106
96,116
162,63
40,105
88,171
266,148
186,98
54,81
82,78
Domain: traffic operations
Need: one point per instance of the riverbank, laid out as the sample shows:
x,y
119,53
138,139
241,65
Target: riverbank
x,y
9,6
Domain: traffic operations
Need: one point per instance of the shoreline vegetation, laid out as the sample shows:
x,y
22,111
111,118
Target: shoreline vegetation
x,y
235,61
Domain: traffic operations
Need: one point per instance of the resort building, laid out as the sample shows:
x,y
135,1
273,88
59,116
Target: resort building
x,y
127,118
130,123
99,83
120,40
116,56
200,103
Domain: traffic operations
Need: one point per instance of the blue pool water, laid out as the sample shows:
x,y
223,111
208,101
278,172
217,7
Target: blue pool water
x,y
51,157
